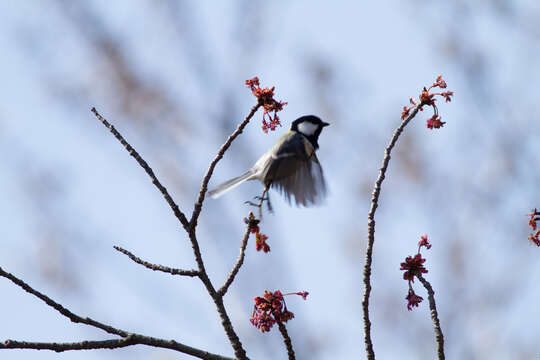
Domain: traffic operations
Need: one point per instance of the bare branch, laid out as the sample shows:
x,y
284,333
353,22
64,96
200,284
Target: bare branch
x,y
131,339
59,347
62,310
204,185
191,225
434,316
127,338
236,344
286,340
223,290
176,210
371,232
240,260
218,299
155,267
262,199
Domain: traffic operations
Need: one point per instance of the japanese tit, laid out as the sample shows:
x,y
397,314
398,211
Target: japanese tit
x,y
290,166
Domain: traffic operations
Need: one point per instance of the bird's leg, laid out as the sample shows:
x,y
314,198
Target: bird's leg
x,y
261,199
269,204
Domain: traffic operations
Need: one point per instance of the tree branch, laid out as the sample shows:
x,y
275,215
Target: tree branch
x,y
190,226
127,338
434,316
262,199
239,351
240,260
176,210
286,340
371,232
218,299
62,310
223,290
204,185
155,267
59,347
131,339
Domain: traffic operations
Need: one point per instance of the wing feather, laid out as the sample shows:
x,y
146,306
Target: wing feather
x,y
296,171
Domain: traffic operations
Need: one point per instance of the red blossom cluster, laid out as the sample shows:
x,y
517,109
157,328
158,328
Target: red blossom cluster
x,y
260,242
423,242
534,218
260,238
407,109
252,223
435,122
414,266
265,96
413,299
428,98
271,308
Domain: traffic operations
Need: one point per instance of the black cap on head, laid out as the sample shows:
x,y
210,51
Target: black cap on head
x,y
315,120
311,118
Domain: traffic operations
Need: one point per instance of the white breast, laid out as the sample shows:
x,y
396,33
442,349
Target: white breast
x,y
307,128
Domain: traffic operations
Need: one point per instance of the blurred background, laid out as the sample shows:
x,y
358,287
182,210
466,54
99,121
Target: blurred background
x,y
170,76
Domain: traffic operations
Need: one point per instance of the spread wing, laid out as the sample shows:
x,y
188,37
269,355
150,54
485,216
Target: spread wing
x,y
296,171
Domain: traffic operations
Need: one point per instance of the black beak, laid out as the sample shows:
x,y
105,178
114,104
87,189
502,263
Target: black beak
x,y
325,124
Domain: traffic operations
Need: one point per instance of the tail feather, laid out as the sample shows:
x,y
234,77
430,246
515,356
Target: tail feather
x,y
228,185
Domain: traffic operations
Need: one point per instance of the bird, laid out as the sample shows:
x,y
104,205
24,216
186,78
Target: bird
x,y
290,166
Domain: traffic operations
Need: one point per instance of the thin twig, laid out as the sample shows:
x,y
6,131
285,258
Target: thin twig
x,y
371,232
131,339
176,210
286,340
262,199
240,260
236,344
62,310
59,347
204,185
239,351
156,267
190,226
223,290
434,316
127,338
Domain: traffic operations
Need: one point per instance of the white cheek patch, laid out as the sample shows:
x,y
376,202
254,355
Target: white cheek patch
x,y
307,128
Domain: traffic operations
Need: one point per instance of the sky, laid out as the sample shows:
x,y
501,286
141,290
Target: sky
x,y
170,76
